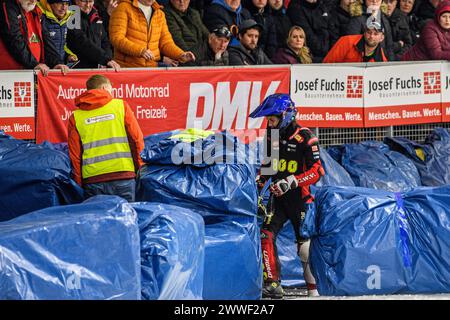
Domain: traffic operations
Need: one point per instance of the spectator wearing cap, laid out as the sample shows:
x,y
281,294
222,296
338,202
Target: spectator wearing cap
x,y
313,16
247,51
228,13
434,41
24,42
401,35
408,8
140,36
90,42
213,51
185,25
372,8
281,20
260,11
56,15
359,48
295,50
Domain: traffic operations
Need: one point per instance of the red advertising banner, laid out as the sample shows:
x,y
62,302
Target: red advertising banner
x,y
402,94
164,100
17,104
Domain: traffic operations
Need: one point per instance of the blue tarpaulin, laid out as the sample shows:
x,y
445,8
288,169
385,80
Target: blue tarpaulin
x,y
194,175
172,252
371,164
335,174
432,158
369,241
33,177
83,251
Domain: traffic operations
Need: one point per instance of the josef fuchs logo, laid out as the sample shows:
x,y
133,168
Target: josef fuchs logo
x,y
22,94
432,81
354,86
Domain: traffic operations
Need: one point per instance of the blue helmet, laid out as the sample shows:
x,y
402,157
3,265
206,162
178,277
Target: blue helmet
x,y
278,104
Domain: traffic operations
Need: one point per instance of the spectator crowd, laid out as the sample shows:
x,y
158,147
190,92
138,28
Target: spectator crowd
x,y
63,34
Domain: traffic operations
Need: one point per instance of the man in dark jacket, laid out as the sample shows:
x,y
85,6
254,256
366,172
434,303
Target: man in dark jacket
x,y
185,25
313,16
401,35
213,51
260,11
281,20
339,19
90,43
24,42
228,13
248,52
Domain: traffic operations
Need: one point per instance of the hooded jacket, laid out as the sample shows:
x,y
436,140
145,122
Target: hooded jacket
x,y
434,41
15,39
94,99
220,14
131,36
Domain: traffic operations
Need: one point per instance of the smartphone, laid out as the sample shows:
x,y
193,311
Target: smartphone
x,y
71,65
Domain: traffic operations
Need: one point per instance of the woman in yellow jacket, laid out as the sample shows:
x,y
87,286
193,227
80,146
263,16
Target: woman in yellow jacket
x,y
139,34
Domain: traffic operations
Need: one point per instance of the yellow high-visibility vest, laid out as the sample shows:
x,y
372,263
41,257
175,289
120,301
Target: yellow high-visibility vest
x,y
104,139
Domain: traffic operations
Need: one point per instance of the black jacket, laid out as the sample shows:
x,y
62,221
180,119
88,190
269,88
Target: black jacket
x,y
90,43
239,56
339,20
11,17
217,15
268,38
314,19
400,32
282,25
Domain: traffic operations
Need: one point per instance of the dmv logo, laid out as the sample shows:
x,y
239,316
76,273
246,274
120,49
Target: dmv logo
x,y
220,108
354,86
22,94
432,81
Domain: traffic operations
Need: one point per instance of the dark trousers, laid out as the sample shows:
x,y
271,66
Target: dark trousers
x,y
122,188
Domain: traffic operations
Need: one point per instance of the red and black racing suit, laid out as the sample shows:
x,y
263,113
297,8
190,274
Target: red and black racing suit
x,y
298,155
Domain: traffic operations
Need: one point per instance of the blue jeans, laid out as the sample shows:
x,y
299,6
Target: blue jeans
x,y
122,188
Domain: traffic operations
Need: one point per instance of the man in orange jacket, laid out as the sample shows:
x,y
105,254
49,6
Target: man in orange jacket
x,y
360,48
105,142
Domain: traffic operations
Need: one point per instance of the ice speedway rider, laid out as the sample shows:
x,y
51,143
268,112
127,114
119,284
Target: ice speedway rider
x,y
295,169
